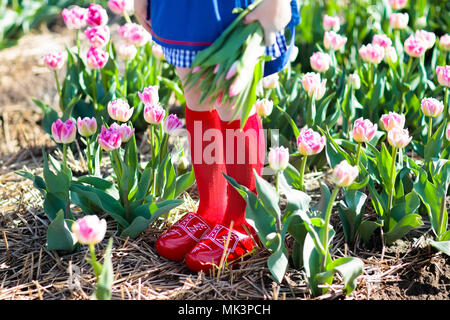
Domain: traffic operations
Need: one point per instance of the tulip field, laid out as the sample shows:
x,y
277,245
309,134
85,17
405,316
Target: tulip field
x,y
95,162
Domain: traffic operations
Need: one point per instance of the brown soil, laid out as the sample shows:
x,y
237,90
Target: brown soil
x,y
408,270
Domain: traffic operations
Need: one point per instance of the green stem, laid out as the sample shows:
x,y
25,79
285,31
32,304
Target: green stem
x,y
430,126
94,260
78,41
327,226
65,155
442,226
89,155
116,157
302,173
358,153
125,80
392,187
446,109
58,88
94,76
127,17
277,187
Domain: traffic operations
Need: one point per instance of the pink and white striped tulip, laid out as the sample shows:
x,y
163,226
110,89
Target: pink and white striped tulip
x,y
354,80
320,62
444,42
278,158
55,60
382,40
109,138
264,107
399,138
415,47
149,96
86,126
97,15
270,81
89,230
371,53
447,132
398,4
429,38
98,36
172,124
432,107
75,17
154,114
334,41
392,120
158,52
331,23
237,86
125,131
310,142
134,34
232,71
96,58
443,75
345,174
127,51
120,110
364,130
312,83
390,55
64,132
398,20
121,6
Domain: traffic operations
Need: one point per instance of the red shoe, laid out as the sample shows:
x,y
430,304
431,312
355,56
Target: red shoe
x,y
182,237
209,251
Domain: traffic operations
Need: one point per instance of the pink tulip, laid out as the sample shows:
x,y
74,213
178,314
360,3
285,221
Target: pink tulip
x,y
390,55
237,86
382,40
334,41
232,71
415,47
331,23
264,107
270,81
398,4
399,138
432,107
154,114
428,37
354,80
310,142
447,132
196,69
134,34
392,120
345,174
398,20
109,139
371,53
64,132
97,15
75,17
96,58
86,126
89,230
278,158
158,52
364,130
125,131
444,42
149,96
320,62
98,36
443,75
121,6
54,60
127,51
120,110
172,124
312,83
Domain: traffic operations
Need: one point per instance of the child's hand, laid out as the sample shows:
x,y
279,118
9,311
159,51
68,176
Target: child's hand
x,y
273,15
140,12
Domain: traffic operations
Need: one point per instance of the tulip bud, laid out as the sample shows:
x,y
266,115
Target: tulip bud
x,y
232,71
127,51
89,230
331,23
110,139
98,36
390,55
444,42
399,138
398,20
429,38
96,58
432,107
320,62
54,60
134,34
382,40
371,53
120,110
154,114
75,17
345,174
312,83
354,80
310,142
121,6
172,124
278,158
157,52
86,126
264,107
270,81
364,130
415,47
332,40
392,120
443,75
64,132
149,96
97,15
398,4
125,131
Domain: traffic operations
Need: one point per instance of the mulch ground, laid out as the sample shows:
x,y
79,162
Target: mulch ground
x,y
408,269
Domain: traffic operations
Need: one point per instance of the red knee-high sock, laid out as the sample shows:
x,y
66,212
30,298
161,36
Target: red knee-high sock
x,y
207,160
244,151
